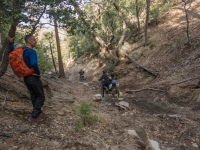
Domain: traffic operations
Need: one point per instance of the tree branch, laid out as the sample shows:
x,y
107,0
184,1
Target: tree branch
x,y
38,20
151,72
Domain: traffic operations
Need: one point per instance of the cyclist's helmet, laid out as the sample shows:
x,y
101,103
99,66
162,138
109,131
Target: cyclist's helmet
x,y
104,71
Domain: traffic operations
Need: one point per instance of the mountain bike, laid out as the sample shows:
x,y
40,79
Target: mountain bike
x,y
81,77
113,89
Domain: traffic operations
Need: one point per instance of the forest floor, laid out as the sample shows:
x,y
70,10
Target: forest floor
x,y
165,108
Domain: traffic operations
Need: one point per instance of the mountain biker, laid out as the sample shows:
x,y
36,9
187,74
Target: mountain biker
x,y
81,72
106,81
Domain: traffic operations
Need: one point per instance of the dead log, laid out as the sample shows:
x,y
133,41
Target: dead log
x,y
133,91
144,68
190,86
186,80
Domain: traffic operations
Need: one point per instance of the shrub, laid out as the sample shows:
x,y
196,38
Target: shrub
x,y
152,46
86,113
109,68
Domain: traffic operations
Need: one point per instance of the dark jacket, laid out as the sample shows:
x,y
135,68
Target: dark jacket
x,y
104,77
81,72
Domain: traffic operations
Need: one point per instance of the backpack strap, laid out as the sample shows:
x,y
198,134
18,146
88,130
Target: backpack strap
x,y
24,48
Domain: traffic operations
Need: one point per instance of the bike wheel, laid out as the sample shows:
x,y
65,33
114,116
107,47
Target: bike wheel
x,y
102,92
115,92
81,78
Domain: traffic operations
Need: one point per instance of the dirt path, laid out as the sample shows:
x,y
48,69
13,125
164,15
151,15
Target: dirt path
x,y
172,125
149,110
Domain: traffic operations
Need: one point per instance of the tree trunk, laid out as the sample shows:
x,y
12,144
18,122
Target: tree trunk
x,y
123,28
188,23
1,49
60,63
53,58
137,13
105,53
5,48
147,21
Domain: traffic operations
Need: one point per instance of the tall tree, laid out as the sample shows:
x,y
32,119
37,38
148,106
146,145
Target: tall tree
x,y
60,63
5,50
147,21
121,40
187,5
137,13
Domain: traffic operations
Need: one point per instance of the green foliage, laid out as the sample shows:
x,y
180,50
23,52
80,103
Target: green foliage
x,y
44,60
157,10
109,67
78,125
178,41
86,113
152,46
81,43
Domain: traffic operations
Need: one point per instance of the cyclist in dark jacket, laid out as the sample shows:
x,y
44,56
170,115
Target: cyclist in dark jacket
x,y
81,72
105,79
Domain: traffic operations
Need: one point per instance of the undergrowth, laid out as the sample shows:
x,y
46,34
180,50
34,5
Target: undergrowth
x,y
86,113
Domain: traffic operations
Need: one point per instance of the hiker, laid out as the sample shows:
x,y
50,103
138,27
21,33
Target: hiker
x,y
105,79
32,81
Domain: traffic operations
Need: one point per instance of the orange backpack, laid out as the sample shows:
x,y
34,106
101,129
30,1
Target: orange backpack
x,y
17,63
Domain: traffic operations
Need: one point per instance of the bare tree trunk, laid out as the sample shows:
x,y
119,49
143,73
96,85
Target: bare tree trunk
x,y
60,63
123,28
187,19
147,21
53,57
137,13
110,55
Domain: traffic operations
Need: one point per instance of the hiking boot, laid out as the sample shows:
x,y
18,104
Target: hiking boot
x,y
41,117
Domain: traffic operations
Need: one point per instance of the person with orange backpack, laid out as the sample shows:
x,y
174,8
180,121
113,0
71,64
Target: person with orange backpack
x,y
24,63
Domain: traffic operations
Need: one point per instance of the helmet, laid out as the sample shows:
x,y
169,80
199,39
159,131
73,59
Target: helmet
x,y
104,71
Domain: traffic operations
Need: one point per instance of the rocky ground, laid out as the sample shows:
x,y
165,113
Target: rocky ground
x,y
163,108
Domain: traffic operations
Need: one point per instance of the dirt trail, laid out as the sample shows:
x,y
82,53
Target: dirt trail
x,y
149,110
57,131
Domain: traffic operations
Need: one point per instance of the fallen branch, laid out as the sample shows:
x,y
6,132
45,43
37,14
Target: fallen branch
x,y
185,80
149,71
190,86
133,91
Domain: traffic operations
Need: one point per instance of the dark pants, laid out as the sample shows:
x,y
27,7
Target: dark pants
x,y
34,85
106,83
